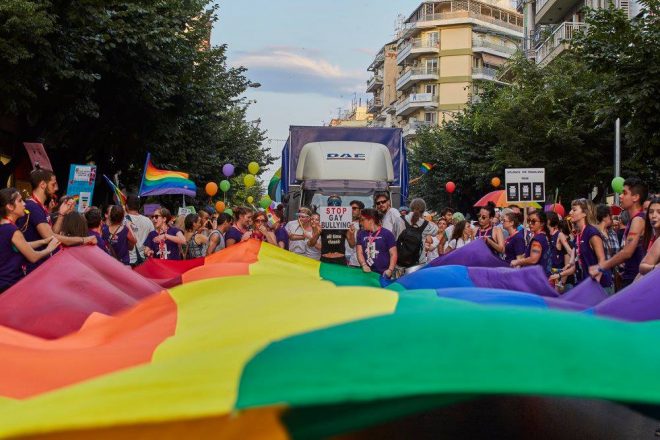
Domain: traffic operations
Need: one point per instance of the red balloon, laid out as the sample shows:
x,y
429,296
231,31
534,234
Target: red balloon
x,y
450,187
558,209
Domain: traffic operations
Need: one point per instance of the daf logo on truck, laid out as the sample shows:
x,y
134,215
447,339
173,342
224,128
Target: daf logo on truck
x,y
346,156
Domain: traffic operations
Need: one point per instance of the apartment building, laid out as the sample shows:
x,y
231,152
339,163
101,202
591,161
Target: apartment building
x,y
551,24
445,48
383,86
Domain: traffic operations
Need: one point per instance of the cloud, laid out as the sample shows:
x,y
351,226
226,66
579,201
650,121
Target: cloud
x,y
286,69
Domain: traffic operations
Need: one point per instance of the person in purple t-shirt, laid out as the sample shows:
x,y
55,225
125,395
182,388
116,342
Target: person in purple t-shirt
x,y
240,230
164,241
514,245
15,251
119,236
94,218
376,246
538,249
37,224
631,254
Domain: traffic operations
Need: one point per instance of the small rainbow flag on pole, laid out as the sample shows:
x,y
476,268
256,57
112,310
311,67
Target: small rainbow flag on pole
x,y
425,167
121,197
156,182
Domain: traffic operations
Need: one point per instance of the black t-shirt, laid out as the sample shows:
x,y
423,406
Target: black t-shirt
x,y
333,241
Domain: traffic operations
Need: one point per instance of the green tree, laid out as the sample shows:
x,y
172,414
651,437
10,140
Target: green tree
x,y
107,81
625,54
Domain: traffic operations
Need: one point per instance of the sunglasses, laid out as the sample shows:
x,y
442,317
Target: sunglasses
x,y
156,216
381,202
533,222
483,217
355,208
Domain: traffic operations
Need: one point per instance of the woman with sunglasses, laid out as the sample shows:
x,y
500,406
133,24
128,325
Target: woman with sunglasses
x,y
164,241
491,235
240,230
651,233
300,231
589,245
376,246
15,251
261,229
538,249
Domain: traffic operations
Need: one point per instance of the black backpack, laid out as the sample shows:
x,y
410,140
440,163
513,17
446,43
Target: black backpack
x,y
409,244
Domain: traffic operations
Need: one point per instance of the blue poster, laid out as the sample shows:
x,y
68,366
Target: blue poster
x,y
81,185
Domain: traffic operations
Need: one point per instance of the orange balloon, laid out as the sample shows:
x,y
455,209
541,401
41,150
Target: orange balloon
x,y
495,181
211,189
220,207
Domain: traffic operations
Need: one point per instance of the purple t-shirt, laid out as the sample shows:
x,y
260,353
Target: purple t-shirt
x,y
282,235
28,225
165,250
376,248
233,234
119,243
587,256
631,265
100,242
514,246
541,239
11,269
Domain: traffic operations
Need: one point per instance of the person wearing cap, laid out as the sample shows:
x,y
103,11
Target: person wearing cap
x,y
333,241
455,218
404,210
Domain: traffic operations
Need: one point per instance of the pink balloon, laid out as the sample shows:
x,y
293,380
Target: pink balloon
x,y
450,187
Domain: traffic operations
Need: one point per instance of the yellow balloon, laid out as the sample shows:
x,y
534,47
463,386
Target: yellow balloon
x,y
249,180
253,168
250,200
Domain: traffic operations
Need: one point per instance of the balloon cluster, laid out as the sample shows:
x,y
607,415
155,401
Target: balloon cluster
x,y
249,180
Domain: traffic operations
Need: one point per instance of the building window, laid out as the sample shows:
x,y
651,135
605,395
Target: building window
x,y
430,88
430,117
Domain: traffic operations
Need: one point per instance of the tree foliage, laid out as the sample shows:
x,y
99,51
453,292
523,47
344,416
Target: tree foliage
x,y
560,117
107,81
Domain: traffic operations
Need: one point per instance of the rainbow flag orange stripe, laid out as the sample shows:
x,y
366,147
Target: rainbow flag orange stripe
x,y
425,167
157,182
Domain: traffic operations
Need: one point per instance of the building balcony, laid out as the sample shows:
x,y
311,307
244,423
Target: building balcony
x,y
484,73
374,105
446,12
552,11
411,128
374,83
377,61
415,74
500,50
415,102
416,47
557,42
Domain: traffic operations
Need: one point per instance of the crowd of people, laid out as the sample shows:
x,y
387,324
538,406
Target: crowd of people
x,y
589,242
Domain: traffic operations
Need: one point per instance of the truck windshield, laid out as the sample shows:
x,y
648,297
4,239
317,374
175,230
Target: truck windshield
x,y
314,199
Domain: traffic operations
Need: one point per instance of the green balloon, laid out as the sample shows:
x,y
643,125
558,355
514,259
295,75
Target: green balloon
x,y
617,185
225,185
265,202
228,211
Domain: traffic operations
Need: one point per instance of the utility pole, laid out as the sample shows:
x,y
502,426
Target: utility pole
x,y
617,154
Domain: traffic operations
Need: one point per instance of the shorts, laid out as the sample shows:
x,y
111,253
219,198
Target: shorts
x,y
336,260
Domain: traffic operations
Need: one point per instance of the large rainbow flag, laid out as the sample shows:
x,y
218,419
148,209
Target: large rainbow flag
x,y
256,342
156,182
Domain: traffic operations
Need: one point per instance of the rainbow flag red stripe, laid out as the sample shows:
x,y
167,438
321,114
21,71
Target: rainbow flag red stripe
x,y
425,167
121,197
156,182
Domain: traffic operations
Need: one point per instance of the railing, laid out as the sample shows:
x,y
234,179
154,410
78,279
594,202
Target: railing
x,y
374,103
559,36
416,43
376,79
540,4
412,127
487,72
422,99
415,71
478,42
472,9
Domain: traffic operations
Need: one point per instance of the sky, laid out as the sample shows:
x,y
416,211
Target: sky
x,y
310,57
